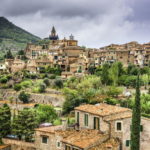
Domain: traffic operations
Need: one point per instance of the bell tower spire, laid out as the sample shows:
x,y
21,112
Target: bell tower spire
x,y
53,35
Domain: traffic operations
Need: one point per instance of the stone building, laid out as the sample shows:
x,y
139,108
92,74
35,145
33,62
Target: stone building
x,y
18,65
112,120
58,52
97,127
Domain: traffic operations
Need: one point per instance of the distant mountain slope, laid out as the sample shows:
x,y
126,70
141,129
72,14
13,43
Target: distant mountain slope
x,y
13,37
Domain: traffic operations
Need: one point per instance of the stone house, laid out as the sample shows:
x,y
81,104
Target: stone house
x,y
112,120
5,147
97,127
18,65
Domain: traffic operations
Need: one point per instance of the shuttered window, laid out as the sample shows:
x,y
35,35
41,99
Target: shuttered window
x,y
86,118
127,143
78,115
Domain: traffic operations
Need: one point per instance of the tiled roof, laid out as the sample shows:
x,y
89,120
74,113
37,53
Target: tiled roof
x,y
4,146
127,114
102,109
51,129
112,144
83,138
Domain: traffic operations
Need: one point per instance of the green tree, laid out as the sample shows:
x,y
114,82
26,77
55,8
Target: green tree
x,y
114,73
45,113
9,55
105,74
41,88
3,79
91,69
46,81
21,52
72,100
17,87
58,83
24,97
24,124
5,121
136,119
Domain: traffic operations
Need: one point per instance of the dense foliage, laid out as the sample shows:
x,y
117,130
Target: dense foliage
x,y
24,124
136,119
5,121
45,113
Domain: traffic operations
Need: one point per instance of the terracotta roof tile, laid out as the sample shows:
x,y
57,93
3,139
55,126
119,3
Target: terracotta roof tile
x,y
83,138
51,129
112,143
102,109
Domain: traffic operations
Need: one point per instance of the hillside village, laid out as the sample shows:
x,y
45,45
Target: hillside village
x,y
58,95
73,59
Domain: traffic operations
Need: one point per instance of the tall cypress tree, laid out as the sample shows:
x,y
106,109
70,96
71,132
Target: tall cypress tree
x,y
136,119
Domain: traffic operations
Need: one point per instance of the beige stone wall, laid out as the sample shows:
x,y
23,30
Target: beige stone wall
x,y
103,125
125,134
19,145
52,141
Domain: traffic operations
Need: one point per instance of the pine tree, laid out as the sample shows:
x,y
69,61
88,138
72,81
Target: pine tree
x,y
136,119
24,124
5,121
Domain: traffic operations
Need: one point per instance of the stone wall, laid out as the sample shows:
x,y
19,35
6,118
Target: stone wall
x,y
19,145
5,147
55,98
51,143
104,127
125,134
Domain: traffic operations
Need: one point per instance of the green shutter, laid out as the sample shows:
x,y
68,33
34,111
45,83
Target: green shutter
x,y
77,117
85,119
127,143
141,128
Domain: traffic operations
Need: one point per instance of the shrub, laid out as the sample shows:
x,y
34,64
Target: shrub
x,y
45,113
57,122
114,91
58,83
24,97
17,87
52,76
42,88
46,81
26,83
111,101
3,79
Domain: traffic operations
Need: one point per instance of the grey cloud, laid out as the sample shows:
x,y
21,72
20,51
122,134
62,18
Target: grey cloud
x,y
94,23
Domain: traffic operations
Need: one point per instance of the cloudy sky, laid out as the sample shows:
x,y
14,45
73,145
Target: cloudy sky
x,y
94,23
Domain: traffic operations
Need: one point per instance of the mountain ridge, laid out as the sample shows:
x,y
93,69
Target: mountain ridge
x,y
13,37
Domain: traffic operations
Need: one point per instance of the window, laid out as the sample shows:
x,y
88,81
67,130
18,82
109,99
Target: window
x,y
78,116
96,123
44,139
58,144
75,149
86,119
127,143
119,126
67,147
